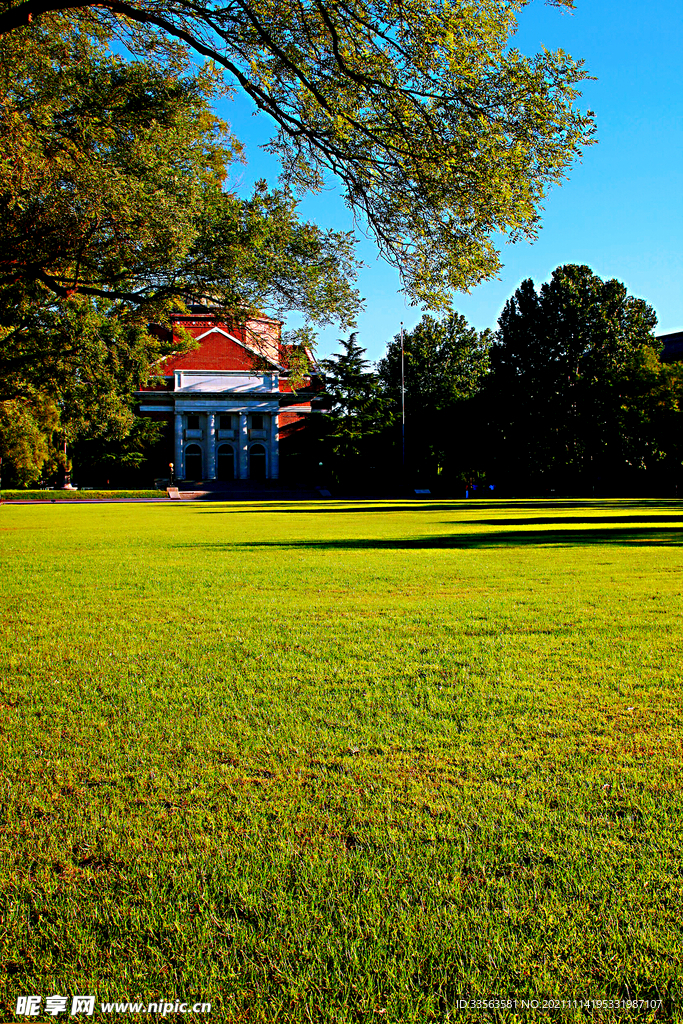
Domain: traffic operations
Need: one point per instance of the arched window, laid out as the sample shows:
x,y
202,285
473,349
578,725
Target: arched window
x,y
193,462
257,462
225,462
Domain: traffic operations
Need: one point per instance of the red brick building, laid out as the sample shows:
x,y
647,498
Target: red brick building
x,y
229,409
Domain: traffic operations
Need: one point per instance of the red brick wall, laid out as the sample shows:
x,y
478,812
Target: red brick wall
x,y
287,389
259,338
265,337
216,352
290,421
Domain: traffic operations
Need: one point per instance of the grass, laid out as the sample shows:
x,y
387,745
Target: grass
x,y
344,761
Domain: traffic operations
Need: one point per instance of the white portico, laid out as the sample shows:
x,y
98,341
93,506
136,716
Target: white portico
x,y
227,408
226,424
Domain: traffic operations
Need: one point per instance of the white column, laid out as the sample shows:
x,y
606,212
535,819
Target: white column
x,y
274,448
243,448
179,447
210,446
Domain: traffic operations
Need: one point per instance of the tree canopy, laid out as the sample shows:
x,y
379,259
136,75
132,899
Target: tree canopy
x,y
68,370
115,206
112,186
577,394
440,133
445,363
113,213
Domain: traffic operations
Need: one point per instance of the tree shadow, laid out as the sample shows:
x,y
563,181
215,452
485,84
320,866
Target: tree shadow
x,y
628,536
588,520
567,522
471,510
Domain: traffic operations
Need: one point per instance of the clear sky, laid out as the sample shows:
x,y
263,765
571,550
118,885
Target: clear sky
x,y
620,212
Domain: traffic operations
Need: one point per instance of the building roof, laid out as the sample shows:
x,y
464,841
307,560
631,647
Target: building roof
x,y
253,349
672,351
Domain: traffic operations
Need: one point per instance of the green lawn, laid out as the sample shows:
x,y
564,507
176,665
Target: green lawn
x,y
343,761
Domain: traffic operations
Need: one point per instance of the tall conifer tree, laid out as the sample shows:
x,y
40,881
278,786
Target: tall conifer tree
x,y
356,416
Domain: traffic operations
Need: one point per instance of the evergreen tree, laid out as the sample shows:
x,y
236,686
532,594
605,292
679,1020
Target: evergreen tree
x,y
352,427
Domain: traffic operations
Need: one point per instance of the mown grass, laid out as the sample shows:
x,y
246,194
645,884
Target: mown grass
x,y
344,761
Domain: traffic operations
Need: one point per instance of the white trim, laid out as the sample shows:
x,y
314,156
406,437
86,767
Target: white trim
x,y
243,449
218,330
225,382
201,405
157,408
256,374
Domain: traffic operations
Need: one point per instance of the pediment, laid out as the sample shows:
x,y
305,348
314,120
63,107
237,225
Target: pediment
x,y
238,341
219,330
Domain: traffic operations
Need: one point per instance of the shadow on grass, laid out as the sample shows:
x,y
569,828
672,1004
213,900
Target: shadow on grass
x,y
630,536
675,519
474,508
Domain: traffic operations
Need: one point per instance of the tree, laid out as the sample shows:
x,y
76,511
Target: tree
x,y
26,428
119,459
440,134
445,363
67,370
577,394
352,427
113,214
111,186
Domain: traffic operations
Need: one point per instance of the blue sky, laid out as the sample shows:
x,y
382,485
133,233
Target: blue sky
x,y
620,212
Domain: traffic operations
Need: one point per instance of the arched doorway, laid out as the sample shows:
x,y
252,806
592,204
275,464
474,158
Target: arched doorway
x,y
257,462
225,462
193,462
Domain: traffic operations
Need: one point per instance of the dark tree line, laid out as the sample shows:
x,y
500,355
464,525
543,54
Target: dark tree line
x,y
568,396
582,401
